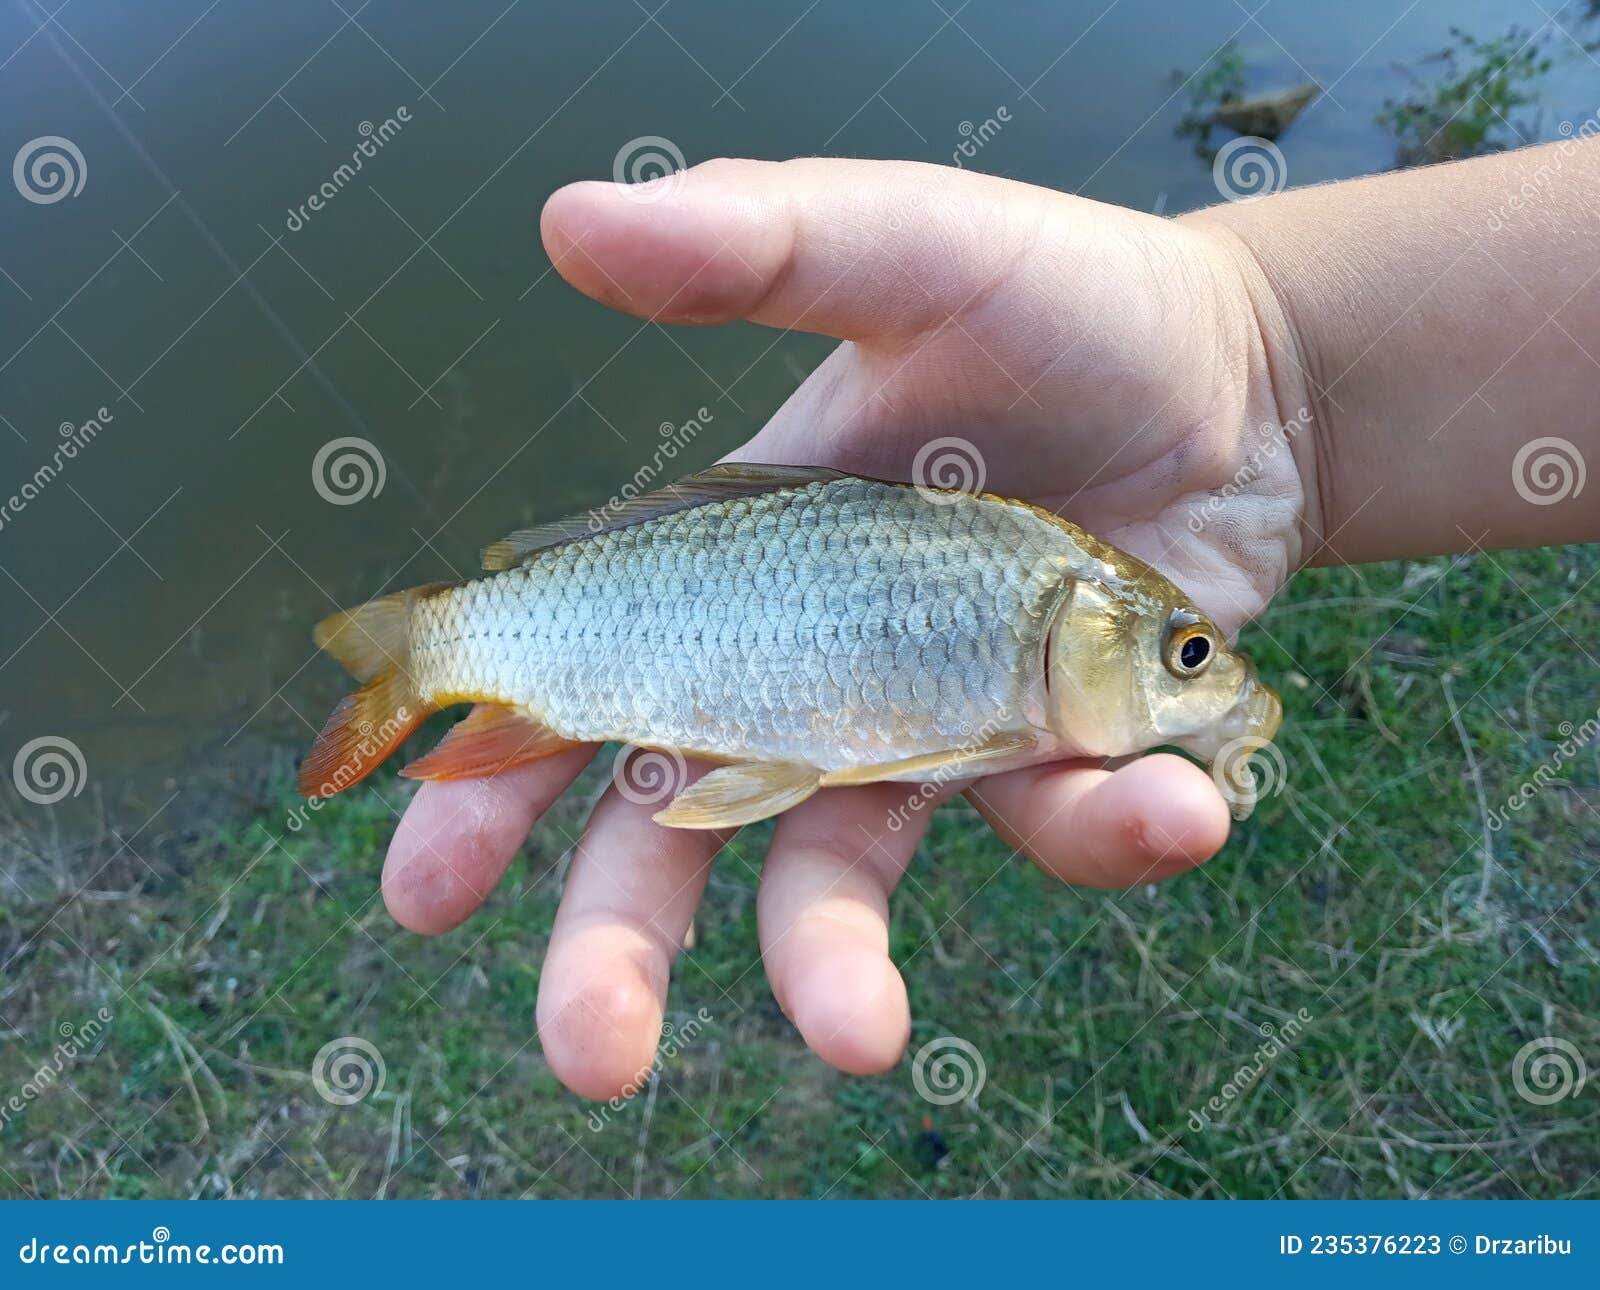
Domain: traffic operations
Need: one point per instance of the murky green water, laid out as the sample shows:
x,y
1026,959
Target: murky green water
x,y
160,578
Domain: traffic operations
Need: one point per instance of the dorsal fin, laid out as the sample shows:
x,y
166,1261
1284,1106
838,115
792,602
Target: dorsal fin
x,y
719,483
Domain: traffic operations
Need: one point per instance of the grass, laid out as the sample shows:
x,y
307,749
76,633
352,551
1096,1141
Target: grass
x,y
1401,963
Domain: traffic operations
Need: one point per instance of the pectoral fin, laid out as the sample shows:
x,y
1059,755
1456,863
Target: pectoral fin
x,y
741,794
489,739
949,764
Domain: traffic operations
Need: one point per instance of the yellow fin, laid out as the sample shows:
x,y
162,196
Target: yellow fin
x,y
375,635
719,483
490,739
741,794
959,760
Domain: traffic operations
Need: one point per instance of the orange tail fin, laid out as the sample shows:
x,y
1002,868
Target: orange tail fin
x,y
373,641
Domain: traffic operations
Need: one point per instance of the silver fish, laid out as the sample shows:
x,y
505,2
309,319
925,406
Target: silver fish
x,y
806,628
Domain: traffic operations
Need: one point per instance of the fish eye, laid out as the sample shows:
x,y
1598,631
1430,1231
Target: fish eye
x,y
1191,645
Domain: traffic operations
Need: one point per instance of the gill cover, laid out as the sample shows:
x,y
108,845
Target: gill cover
x,y
1091,692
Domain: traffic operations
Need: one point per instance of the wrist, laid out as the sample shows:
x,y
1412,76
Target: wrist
x,y
1284,373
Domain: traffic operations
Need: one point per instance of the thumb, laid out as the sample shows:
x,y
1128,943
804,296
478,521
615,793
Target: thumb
x,y
853,249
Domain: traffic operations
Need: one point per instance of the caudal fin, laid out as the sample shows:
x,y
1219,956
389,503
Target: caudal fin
x,y
373,641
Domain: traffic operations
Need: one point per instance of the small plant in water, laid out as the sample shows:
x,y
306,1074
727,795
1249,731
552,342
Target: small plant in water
x,y
1469,111
1220,80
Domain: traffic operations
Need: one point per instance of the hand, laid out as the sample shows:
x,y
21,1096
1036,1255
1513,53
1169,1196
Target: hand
x,y
1112,366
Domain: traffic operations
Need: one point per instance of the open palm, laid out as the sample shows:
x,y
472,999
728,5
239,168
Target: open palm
x,y
1107,365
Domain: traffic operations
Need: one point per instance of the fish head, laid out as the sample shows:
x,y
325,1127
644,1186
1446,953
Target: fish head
x,y
1131,665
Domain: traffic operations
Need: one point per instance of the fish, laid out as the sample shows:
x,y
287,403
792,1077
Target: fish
x,y
801,628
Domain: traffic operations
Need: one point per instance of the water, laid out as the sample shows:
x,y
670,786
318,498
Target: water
x,y
159,588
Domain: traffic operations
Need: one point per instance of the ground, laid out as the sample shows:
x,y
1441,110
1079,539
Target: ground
x,y
1376,990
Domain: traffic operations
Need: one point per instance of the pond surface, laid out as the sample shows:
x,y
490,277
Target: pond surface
x,y
220,332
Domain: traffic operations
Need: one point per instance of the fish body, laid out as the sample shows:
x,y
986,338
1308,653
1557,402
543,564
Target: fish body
x,y
842,623
801,626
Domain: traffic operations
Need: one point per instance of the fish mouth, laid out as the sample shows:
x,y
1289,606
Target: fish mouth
x,y
1246,730
1257,712
1247,727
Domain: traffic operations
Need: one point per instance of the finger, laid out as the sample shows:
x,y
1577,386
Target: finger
x,y
823,915
1148,820
855,249
630,895
457,836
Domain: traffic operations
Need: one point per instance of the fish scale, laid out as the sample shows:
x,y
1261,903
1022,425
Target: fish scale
x,y
843,623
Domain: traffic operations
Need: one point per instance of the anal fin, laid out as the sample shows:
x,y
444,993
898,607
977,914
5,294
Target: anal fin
x,y
491,738
948,764
740,794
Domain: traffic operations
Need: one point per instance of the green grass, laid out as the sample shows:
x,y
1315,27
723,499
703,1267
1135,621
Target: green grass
x,y
1361,894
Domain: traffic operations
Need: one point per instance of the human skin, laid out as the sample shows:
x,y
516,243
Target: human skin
x,y
1127,371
